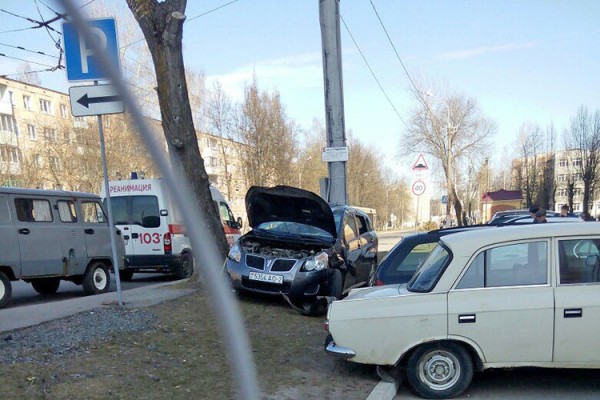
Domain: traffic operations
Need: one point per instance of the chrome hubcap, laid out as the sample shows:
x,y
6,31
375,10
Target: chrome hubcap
x,y
2,290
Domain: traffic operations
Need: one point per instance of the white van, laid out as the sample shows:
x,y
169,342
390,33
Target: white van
x,y
152,228
49,236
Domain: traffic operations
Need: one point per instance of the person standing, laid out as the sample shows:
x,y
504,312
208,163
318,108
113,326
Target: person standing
x,y
540,216
564,211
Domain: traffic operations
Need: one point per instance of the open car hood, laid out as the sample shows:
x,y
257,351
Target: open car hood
x,y
289,204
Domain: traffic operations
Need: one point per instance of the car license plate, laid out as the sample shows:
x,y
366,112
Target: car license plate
x,y
258,276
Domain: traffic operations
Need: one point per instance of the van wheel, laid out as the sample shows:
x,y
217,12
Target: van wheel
x,y
96,279
186,268
46,286
126,275
5,290
440,371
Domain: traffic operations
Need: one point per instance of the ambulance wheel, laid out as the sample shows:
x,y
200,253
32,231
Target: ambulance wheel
x,y
45,286
126,275
5,290
186,267
96,279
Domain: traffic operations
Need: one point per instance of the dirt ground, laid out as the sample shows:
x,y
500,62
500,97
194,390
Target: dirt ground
x,y
182,358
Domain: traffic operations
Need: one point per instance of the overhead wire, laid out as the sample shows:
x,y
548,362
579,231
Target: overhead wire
x,y
30,62
191,19
373,72
27,50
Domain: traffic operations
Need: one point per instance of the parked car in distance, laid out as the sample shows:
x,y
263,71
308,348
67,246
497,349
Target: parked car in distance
x,y
399,265
49,236
521,220
302,248
504,216
489,298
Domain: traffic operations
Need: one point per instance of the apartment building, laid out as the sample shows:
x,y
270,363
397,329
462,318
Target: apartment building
x,y
43,146
567,169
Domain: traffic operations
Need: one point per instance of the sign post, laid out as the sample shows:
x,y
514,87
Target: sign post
x,y
420,174
83,65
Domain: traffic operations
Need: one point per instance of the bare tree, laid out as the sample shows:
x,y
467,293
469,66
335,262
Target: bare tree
x,y
28,75
263,126
583,140
162,26
449,130
530,137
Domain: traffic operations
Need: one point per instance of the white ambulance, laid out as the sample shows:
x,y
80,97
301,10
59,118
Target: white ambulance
x,y
152,228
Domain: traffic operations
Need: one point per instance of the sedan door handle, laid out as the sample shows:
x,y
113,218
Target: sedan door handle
x,y
467,318
24,231
89,231
573,313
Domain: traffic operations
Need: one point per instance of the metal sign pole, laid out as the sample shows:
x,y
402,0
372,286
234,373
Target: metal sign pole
x,y
113,239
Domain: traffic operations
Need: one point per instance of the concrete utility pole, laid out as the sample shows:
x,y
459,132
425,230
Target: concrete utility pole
x,y
329,15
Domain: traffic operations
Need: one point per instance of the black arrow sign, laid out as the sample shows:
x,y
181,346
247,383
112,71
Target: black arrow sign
x,y
86,101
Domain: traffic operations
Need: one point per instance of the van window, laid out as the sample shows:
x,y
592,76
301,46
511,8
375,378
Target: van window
x,y
92,212
33,210
142,207
120,209
66,211
225,212
350,231
4,215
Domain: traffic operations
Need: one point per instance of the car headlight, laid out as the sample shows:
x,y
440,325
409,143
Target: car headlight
x,y
235,253
316,263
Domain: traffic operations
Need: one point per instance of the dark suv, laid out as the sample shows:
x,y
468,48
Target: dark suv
x,y
401,262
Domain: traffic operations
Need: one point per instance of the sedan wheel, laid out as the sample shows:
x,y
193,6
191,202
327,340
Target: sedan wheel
x,y
440,371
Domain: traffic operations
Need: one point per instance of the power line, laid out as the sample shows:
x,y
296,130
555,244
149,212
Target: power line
x,y
27,50
417,91
37,6
31,62
373,73
191,19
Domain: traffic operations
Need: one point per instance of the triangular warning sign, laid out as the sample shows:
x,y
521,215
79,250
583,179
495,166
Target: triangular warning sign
x,y
420,164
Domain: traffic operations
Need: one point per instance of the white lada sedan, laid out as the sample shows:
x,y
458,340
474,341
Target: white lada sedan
x,y
489,298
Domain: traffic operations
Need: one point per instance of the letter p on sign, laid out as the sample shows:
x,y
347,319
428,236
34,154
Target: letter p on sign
x,y
82,63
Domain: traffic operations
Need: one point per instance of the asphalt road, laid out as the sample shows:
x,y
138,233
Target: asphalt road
x,y
24,295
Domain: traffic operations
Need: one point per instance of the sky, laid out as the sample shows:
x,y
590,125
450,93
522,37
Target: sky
x,y
522,60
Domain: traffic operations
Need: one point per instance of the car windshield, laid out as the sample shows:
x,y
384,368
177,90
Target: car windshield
x,y
430,271
287,228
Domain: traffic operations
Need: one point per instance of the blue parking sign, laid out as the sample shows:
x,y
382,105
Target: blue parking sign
x,y
82,63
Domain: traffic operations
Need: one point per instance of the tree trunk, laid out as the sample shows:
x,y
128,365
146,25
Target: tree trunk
x,y
162,26
458,208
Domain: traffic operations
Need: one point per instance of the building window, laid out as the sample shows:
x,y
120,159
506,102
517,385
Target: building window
x,y
37,161
46,107
31,132
561,192
9,154
577,177
562,162
27,102
79,122
577,162
562,178
576,206
63,111
50,134
8,123
212,161
55,163
67,137
577,192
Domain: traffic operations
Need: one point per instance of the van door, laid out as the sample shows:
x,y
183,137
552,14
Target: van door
x,y
95,229
71,236
352,251
41,252
10,254
120,213
232,232
147,229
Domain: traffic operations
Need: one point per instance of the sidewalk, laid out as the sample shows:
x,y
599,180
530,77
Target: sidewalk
x,y
22,317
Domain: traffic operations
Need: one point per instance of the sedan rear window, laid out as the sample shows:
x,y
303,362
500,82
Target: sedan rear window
x,y
286,228
430,271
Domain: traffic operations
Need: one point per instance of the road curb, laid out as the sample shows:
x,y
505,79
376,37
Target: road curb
x,y
383,391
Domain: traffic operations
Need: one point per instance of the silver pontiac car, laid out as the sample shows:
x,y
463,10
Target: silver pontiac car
x,y
302,248
487,298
